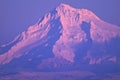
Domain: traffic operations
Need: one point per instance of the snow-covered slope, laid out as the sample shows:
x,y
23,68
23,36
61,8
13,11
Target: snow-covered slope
x,y
68,33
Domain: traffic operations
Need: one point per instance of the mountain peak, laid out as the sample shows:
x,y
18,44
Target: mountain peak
x,y
62,5
71,16
63,34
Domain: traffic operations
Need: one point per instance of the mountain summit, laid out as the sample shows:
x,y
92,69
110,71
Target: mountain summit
x,y
66,33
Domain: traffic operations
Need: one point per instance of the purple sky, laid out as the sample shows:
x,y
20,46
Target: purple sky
x,y
17,15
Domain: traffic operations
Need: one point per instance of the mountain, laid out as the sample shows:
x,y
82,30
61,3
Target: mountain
x,y
65,35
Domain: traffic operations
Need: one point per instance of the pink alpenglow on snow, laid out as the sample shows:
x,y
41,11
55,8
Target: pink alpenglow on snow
x,y
68,33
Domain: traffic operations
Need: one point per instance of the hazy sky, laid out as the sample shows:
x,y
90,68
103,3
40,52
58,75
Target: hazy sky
x,y
17,15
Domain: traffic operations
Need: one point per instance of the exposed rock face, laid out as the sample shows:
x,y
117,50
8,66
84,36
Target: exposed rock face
x,y
76,35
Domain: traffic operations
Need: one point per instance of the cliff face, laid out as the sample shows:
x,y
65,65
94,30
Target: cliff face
x,y
75,35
